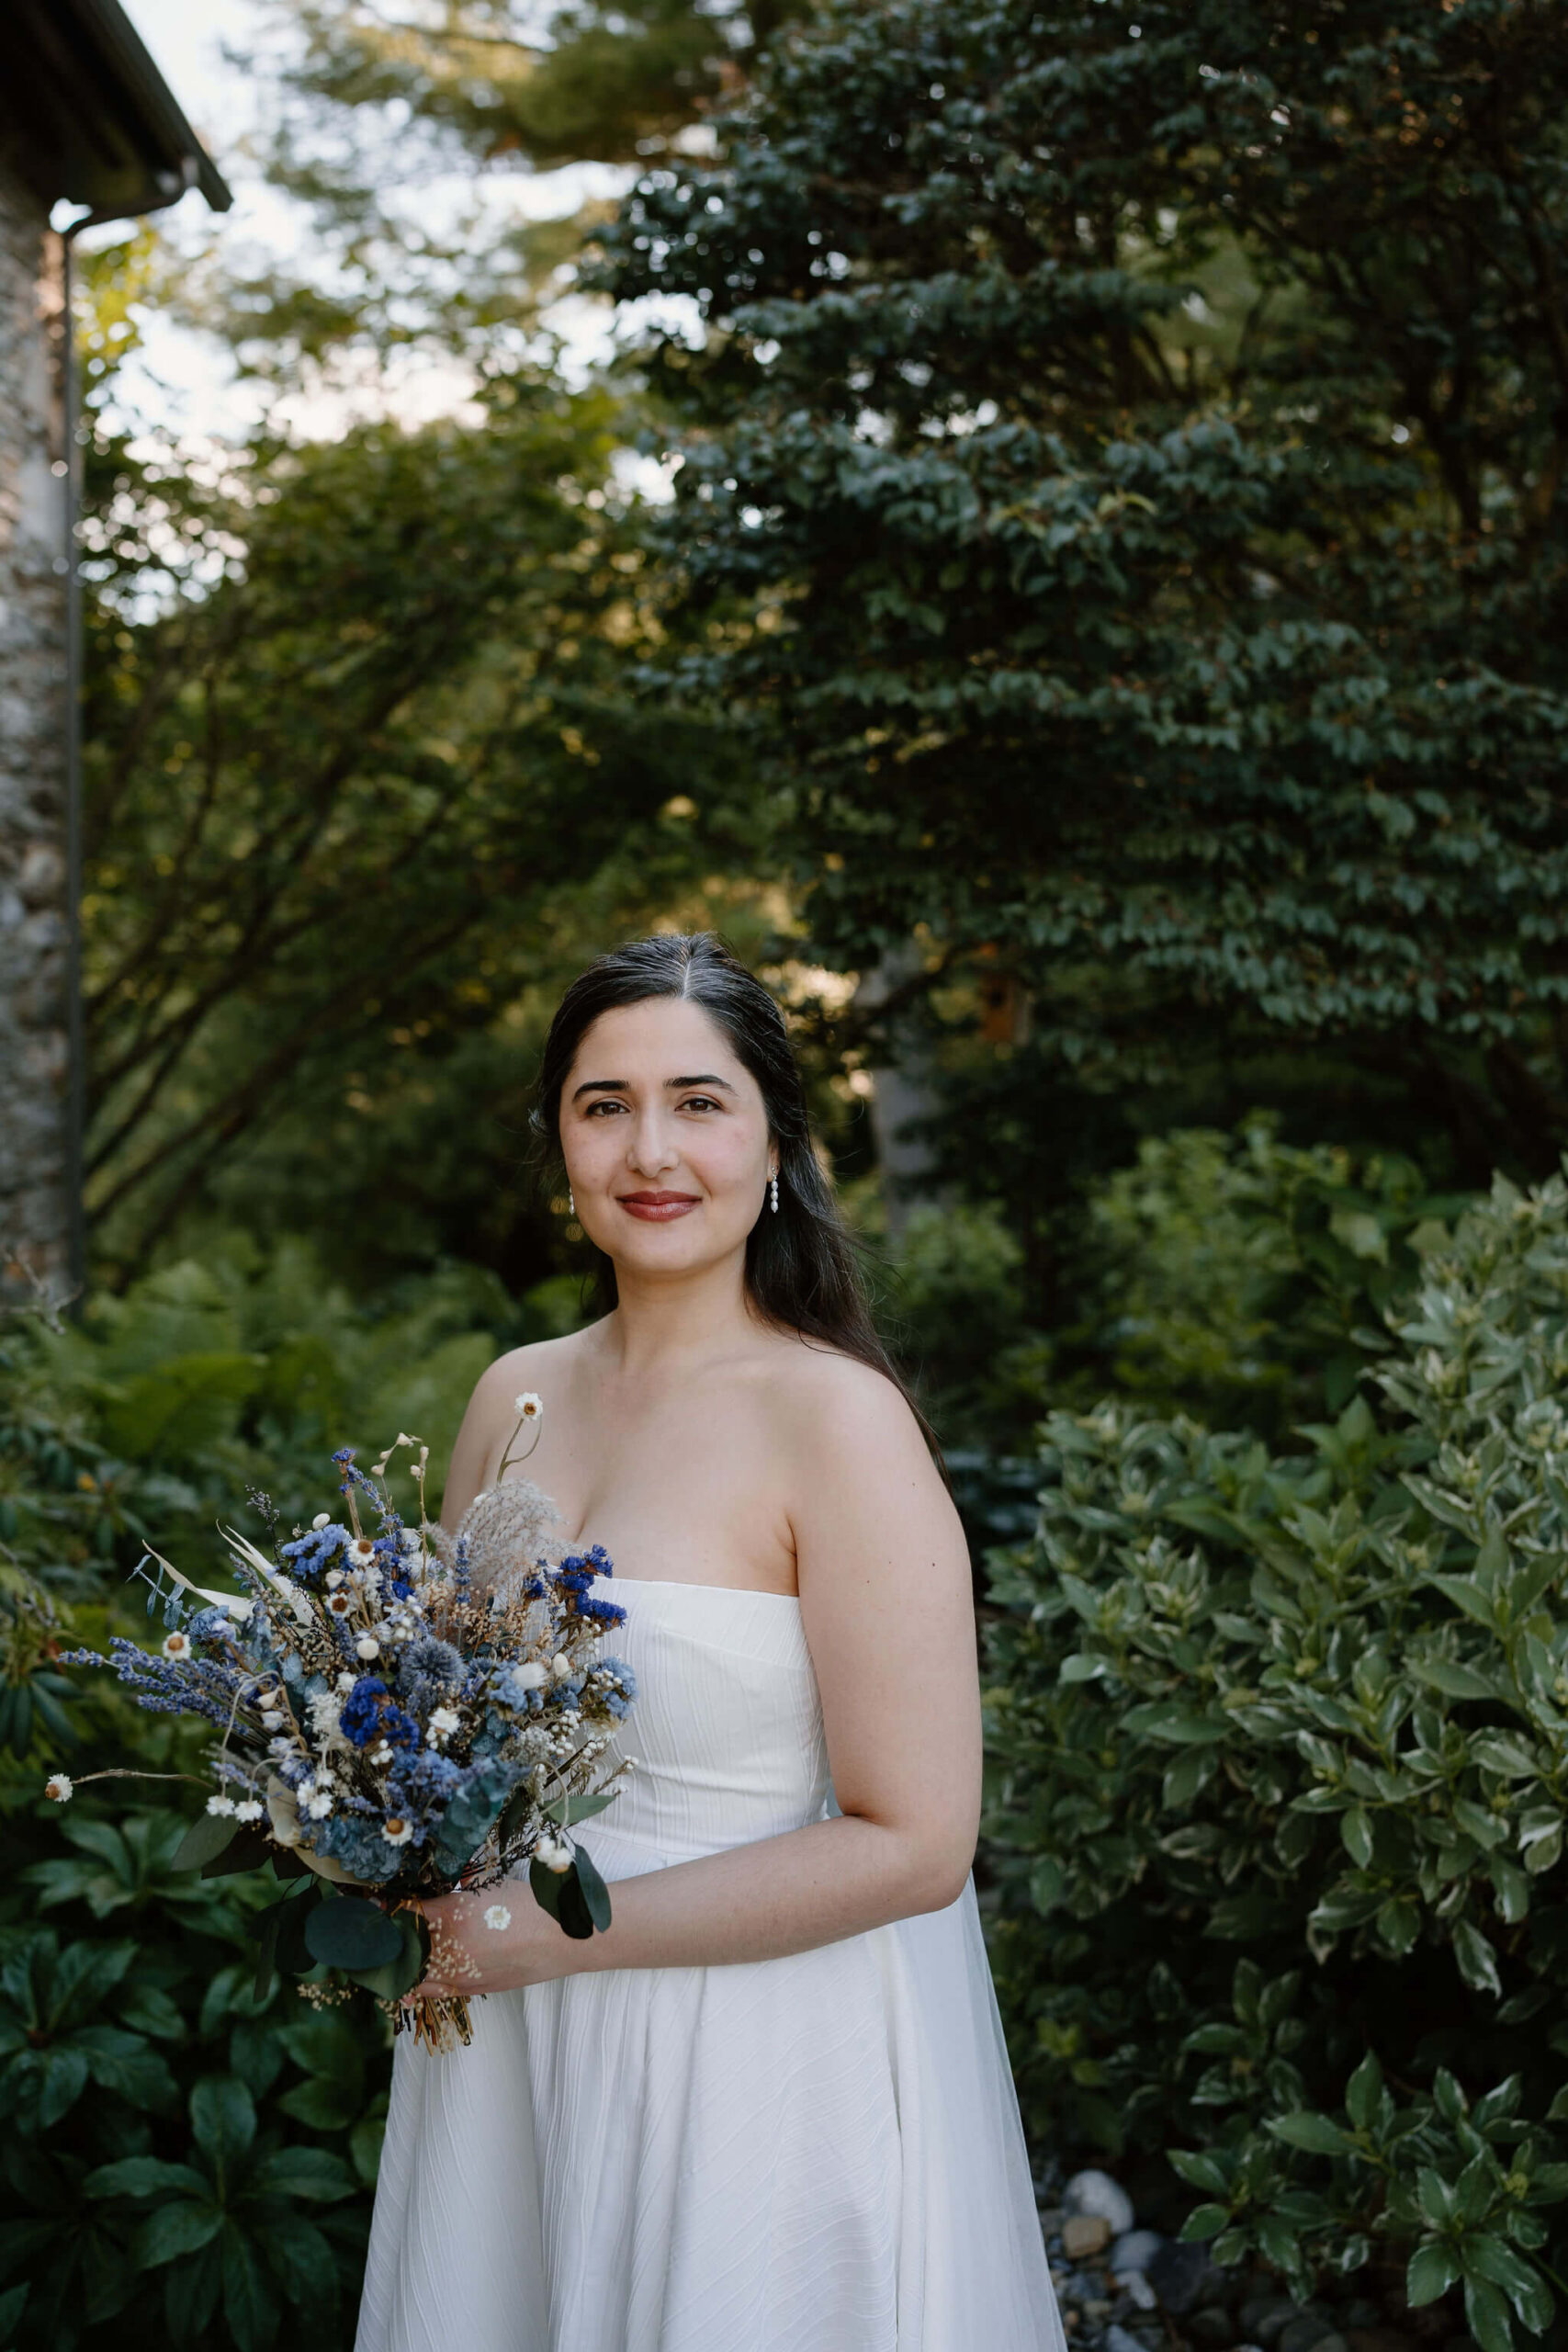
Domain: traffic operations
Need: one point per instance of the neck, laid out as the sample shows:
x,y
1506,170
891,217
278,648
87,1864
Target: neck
x,y
698,1314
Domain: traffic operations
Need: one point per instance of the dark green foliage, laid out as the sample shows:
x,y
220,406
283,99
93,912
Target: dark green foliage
x,y
1135,437
187,2145
1311,1705
333,796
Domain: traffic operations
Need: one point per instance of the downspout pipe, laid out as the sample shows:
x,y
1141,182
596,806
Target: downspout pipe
x,y
75,1024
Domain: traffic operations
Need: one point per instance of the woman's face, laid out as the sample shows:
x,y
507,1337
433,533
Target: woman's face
x,y
665,1138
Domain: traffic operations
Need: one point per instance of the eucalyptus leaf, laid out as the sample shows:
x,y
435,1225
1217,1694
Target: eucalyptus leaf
x,y
208,1836
348,1932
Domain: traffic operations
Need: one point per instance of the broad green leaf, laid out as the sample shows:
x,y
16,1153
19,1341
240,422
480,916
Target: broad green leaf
x,y
1048,1886
1319,2134
313,2174
209,1835
222,2118
567,1810
1205,2222
1356,1834
1199,2170
250,2306
1486,2308
145,2177
174,2229
350,1933
1433,2269
1364,2091
1450,1676
1482,2256
595,1894
400,1974
1477,1961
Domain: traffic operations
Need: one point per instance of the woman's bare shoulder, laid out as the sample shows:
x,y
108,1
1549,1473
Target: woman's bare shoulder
x,y
542,1367
829,1399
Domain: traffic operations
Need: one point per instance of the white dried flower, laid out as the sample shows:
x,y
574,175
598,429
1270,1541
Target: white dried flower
x,y
554,1858
320,1805
176,1645
497,1915
323,1518
271,1720
560,1665
530,1406
333,1579
396,1831
251,1809
220,1804
361,1553
325,1709
381,1753
340,1604
346,1681
60,1787
366,1646
530,1674
444,1722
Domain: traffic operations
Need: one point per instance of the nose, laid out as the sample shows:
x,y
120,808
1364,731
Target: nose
x,y
652,1148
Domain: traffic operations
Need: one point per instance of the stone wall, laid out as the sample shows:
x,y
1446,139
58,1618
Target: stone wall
x,y
33,1035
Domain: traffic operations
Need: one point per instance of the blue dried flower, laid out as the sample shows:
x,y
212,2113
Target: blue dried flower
x,y
309,1555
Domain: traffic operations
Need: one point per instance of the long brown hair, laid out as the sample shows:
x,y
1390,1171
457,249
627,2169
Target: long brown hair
x,y
802,1273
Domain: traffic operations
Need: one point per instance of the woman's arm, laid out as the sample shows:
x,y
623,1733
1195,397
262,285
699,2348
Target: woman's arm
x,y
886,1602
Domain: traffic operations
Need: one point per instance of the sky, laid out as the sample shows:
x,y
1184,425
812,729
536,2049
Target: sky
x,y
184,384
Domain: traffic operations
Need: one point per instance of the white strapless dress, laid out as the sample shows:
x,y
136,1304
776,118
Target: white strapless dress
x,y
819,2153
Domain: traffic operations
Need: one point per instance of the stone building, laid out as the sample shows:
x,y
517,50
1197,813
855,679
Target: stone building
x,y
87,120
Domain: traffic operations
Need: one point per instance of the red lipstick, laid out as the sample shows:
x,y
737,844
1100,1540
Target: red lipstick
x,y
658,1208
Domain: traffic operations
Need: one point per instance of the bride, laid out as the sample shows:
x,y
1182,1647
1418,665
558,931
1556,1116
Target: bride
x,y
769,2109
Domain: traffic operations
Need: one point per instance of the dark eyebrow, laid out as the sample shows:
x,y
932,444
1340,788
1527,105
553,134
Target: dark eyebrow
x,y
621,1085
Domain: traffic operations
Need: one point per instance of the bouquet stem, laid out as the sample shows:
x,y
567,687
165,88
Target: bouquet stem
x,y
439,2022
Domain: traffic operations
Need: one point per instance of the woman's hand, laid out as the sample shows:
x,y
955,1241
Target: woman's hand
x,y
471,1953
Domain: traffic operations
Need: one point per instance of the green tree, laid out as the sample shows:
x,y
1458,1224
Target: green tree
x,y
1136,435
333,791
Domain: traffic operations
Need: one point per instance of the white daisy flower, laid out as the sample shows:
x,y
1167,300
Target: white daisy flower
x,y
340,1602
176,1645
530,1406
361,1553
251,1809
443,1723
497,1915
396,1831
60,1787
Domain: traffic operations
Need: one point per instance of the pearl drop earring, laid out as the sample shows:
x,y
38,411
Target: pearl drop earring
x,y
774,1192
570,1202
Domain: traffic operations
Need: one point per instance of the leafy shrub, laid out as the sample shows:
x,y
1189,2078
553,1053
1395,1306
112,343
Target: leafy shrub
x,y
1314,1705
1240,1273
186,2156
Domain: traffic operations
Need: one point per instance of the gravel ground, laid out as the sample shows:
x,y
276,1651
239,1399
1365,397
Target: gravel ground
x,y
1126,2287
